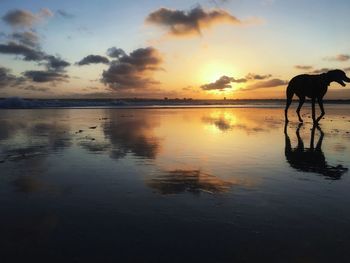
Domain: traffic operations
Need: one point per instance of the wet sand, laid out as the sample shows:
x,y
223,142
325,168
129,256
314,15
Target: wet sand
x,y
174,185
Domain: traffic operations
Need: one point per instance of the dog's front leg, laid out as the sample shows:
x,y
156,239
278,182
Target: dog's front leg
x,y
320,103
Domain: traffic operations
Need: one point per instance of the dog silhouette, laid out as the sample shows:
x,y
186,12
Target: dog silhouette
x,y
310,159
314,87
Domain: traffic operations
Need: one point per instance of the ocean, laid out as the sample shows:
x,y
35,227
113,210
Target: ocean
x,y
206,183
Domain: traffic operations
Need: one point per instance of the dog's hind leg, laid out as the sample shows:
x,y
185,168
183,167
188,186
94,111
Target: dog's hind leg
x,y
301,102
313,110
289,94
320,103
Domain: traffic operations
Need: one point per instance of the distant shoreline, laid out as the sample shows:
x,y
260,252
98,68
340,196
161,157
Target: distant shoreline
x,y
18,103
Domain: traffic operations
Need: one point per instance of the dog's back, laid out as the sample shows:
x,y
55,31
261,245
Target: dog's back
x,y
306,85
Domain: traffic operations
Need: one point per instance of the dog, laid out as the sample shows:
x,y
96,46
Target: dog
x,y
314,87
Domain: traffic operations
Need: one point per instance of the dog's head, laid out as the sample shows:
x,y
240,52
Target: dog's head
x,y
338,76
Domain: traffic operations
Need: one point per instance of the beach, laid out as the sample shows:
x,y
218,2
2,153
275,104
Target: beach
x,y
227,184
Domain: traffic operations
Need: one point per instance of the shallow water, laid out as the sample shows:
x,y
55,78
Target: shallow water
x,y
174,185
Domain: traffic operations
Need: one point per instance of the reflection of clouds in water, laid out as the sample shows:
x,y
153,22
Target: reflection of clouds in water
x,y
30,177
29,147
56,135
36,139
9,128
226,120
132,134
193,181
94,146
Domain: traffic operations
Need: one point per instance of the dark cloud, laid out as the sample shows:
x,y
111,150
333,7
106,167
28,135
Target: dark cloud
x,y
65,14
253,76
28,38
242,80
265,84
26,45
24,18
133,70
180,22
93,59
114,52
340,58
143,59
45,76
31,54
7,79
222,83
28,53
303,67
56,63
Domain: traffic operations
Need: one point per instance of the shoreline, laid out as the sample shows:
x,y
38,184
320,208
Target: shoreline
x,y
18,103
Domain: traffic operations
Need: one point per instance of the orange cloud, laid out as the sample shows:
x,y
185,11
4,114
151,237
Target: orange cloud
x,y
266,84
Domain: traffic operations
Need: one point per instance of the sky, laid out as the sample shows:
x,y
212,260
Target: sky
x,y
238,49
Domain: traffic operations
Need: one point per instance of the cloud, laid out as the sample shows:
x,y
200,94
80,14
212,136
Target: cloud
x,y
339,58
265,84
24,18
36,89
56,63
222,83
31,54
303,67
253,76
114,52
27,38
133,70
28,53
7,79
26,45
191,22
319,71
93,59
45,76
225,82
65,14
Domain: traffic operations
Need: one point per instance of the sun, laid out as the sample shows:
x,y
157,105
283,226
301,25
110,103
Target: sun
x,y
212,71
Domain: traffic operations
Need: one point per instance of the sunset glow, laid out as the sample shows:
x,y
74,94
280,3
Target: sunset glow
x,y
158,49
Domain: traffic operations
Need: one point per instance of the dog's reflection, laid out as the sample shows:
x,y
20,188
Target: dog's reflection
x,y
311,159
